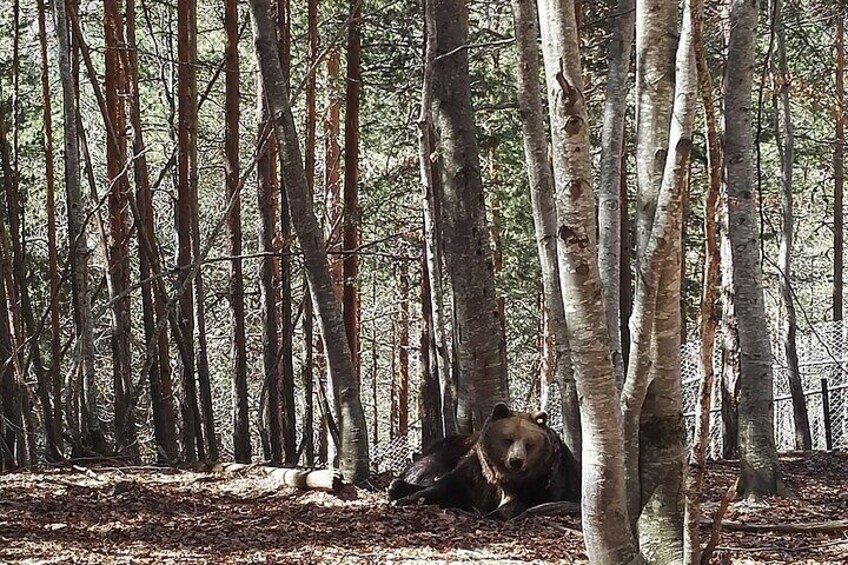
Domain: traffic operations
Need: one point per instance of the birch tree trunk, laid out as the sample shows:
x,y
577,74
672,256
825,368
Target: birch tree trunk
x,y
610,202
354,437
468,255
544,212
653,426
785,136
606,530
656,37
760,473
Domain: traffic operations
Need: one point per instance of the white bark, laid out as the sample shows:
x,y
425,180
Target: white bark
x,y
656,37
544,212
609,183
606,532
651,403
757,454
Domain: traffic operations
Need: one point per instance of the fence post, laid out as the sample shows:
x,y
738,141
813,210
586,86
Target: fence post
x,y
828,437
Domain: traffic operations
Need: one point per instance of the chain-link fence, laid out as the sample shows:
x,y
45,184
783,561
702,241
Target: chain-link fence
x,y
823,363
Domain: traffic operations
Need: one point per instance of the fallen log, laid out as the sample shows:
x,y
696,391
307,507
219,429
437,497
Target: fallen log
x,y
328,480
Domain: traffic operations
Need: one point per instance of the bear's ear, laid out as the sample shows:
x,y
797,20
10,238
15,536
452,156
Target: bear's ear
x,y
500,411
541,418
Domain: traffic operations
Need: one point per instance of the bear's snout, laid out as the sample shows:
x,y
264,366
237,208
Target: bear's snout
x,y
516,463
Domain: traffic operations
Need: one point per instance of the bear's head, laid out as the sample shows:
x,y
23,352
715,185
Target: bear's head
x,y
515,446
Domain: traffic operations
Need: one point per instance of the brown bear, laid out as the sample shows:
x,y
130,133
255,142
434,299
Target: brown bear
x,y
436,461
513,463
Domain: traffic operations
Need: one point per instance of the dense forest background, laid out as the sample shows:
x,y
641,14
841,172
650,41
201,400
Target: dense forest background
x,y
387,213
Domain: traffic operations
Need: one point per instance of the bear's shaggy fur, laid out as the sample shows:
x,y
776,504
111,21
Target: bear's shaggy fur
x,y
436,461
513,463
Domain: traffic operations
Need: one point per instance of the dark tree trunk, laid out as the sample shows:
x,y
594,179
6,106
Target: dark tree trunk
x,y
287,404
266,181
241,409
468,255
193,445
350,263
785,135
309,165
115,88
152,295
83,391
53,422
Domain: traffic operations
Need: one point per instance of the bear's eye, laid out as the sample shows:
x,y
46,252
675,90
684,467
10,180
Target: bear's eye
x,y
507,441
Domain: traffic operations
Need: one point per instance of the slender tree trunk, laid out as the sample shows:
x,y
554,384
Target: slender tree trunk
x,y
785,135
78,243
289,431
609,189
153,296
431,399
332,206
115,87
495,235
468,255
18,251
430,191
838,165
354,435
11,333
53,423
266,181
544,212
760,473
11,423
210,445
241,408
350,264
186,192
606,530
309,165
731,364
403,352
708,320
625,297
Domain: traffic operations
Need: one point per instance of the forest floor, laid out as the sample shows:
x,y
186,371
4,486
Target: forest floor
x,y
147,515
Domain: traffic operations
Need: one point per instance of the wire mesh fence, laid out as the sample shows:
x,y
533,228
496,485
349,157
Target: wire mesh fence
x,y
823,365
